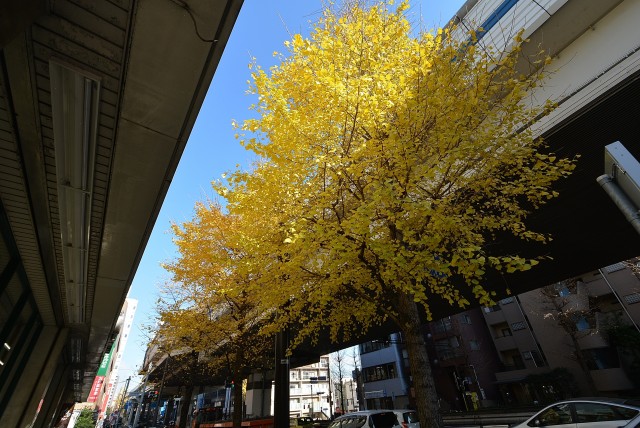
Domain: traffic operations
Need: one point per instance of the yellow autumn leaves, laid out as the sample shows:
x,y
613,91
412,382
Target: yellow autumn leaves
x,y
388,163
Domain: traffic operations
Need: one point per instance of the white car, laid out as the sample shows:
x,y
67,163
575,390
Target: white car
x,y
634,423
367,419
584,413
407,418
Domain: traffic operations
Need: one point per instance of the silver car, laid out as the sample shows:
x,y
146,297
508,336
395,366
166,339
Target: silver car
x,y
367,419
584,413
407,418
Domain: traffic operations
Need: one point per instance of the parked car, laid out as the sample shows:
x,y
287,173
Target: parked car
x,y
303,421
407,418
634,423
584,413
368,419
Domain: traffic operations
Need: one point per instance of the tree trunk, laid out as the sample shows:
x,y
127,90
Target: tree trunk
x,y
591,385
237,403
185,404
423,383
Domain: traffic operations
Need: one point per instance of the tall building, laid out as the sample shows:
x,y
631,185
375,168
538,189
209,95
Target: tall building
x,y
463,361
105,383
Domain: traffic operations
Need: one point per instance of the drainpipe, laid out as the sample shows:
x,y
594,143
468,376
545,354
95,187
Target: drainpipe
x,y
621,200
615,293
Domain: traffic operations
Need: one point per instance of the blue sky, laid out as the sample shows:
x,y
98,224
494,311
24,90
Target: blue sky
x,y
261,28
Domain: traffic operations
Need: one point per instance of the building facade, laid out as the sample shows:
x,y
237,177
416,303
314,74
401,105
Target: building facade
x,y
111,384
385,374
463,361
564,339
309,392
345,396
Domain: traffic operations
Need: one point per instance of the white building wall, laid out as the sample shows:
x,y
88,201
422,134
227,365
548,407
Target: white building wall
x,y
125,322
305,395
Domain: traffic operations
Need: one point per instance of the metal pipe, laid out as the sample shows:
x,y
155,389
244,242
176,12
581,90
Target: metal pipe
x,y
621,200
615,293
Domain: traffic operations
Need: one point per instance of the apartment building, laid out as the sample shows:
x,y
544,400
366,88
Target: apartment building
x,y
557,340
463,361
309,392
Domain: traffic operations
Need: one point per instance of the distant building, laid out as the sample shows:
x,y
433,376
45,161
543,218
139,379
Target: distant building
x,y
105,383
309,390
385,374
345,395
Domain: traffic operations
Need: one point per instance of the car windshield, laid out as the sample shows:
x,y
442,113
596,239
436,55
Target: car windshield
x,y
384,420
410,417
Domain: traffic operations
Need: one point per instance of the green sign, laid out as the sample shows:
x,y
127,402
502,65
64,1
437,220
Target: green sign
x,y
102,371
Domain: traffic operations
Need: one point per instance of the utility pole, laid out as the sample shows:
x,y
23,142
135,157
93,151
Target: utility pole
x,y
141,403
126,387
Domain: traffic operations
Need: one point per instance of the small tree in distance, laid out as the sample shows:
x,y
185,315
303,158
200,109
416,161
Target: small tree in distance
x,y
338,367
206,316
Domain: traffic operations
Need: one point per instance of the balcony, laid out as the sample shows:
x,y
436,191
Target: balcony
x,y
504,343
494,317
513,373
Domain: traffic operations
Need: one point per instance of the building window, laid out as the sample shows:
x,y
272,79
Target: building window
x,y
441,326
474,345
632,298
537,359
446,348
466,319
614,267
601,358
506,301
518,326
582,324
494,308
373,346
380,372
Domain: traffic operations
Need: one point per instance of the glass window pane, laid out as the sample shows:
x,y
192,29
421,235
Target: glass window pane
x,y
556,415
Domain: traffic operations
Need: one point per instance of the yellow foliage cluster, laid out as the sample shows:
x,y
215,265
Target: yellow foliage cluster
x,y
388,164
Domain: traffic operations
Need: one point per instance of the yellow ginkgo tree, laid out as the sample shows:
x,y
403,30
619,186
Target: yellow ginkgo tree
x,y
205,310
389,162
